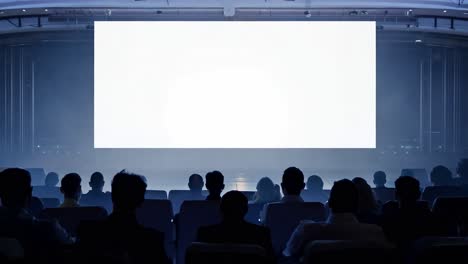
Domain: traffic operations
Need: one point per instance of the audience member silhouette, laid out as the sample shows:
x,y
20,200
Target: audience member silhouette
x,y
410,220
266,192
49,189
195,185
292,184
462,173
120,237
342,223
380,179
442,185
441,176
314,191
368,207
71,189
233,229
39,238
96,196
214,185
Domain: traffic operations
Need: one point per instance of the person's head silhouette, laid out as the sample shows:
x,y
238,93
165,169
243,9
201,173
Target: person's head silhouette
x,y
266,191
407,190
196,183
51,179
441,176
314,183
366,197
97,182
70,186
128,192
234,206
15,188
293,181
462,170
344,197
214,185
380,179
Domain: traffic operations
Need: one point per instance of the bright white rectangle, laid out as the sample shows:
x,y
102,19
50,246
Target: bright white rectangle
x,y
234,85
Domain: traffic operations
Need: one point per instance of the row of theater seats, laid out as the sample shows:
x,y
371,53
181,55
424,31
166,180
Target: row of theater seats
x,y
426,250
281,218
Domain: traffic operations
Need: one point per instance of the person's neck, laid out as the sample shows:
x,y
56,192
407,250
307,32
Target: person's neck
x,y
214,194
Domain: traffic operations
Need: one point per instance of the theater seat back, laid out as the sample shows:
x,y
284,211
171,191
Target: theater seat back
x,y
156,194
283,218
192,215
384,194
207,253
50,202
338,252
177,197
70,218
157,214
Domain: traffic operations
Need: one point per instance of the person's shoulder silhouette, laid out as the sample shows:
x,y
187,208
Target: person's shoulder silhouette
x,y
121,235
409,221
38,237
233,228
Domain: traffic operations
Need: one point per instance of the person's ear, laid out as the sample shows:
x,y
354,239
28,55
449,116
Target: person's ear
x,y
283,190
61,189
222,188
302,186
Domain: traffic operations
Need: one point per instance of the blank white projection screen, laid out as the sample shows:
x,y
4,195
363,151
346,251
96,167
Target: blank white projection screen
x,y
234,85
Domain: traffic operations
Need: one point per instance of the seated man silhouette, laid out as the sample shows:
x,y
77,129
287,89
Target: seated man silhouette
x,y
314,191
410,220
49,189
382,193
233,229
195,185
380,179
96,196
342,223
214,185
292,185
442,185
121,237
38,237
71,189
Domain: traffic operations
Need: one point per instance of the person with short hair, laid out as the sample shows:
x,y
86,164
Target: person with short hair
x,y
410,220
292,185
120,236
71,188
380,179
233,229
38,237
314,191
195,185
214,185
96,196
441,176
342,223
